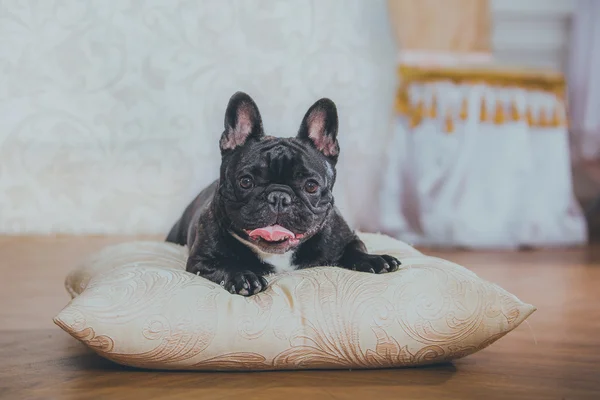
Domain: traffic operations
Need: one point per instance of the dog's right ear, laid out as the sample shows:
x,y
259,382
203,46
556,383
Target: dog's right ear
x,y
320,127
242,123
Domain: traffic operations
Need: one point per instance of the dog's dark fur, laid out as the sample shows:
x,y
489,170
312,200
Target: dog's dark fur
x,y
215,225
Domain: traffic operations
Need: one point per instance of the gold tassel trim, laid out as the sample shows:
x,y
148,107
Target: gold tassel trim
x,y
548,81
464,110
544,119
417,115
529,117
449,123
483,111
503,112
515,115
499,115
432,112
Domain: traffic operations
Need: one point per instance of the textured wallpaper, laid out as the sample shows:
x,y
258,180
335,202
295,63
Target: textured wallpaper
x,y
110,111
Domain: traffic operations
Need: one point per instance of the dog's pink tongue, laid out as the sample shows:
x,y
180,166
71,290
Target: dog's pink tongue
x,y
272,233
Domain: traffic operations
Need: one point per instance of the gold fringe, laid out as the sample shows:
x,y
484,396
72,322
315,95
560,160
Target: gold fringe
x,y
544,80
417,116
543,120
420,109
483,113
552,83
464,110
499,115
514,111
432,112
415,121
529,117
402,102
547,81
449,123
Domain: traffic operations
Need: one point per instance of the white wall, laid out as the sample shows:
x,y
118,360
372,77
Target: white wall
x,y
532,33
110,111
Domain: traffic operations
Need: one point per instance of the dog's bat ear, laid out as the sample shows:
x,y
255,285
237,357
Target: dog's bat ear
x,y
242,122
319,128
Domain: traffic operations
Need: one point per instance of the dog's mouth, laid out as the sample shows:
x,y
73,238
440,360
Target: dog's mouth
x,y
274,236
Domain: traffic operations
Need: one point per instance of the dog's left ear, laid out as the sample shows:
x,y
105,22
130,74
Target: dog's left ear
x,y
242,122
320,126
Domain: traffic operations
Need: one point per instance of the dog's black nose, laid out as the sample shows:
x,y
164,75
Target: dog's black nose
x,y
279,200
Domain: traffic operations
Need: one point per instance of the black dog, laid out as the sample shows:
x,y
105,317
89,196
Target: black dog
x,y
272,208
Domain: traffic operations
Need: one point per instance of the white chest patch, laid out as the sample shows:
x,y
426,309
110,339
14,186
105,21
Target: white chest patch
x,y
280,262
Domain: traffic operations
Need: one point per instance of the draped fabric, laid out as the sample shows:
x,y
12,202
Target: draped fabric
x,y
484,161
457,27
584,80
480,154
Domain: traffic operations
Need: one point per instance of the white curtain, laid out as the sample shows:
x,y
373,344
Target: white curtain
x,y
584,80
487,183
110,111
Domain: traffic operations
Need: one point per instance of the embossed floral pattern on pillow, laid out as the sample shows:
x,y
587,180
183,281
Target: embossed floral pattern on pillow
x,y
135,304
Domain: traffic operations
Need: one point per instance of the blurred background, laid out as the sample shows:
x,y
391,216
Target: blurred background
x,y
455,127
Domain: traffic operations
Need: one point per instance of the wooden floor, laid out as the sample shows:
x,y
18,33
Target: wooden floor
x,y
555,356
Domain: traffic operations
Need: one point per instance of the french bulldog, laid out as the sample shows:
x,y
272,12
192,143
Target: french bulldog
x,y
272,209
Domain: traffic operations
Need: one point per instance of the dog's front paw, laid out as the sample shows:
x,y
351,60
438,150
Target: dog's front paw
x,y
375,264
245,283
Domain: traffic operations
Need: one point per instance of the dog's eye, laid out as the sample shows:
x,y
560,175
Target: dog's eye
x,y
246,182
311,186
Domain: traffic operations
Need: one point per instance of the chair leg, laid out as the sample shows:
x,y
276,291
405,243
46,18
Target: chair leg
x,y
593,207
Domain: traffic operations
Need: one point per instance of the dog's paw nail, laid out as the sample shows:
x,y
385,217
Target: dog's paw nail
x,y
246,285
372,271
244,292
222,283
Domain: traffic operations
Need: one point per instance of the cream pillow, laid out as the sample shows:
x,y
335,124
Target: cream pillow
x,y
134,304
